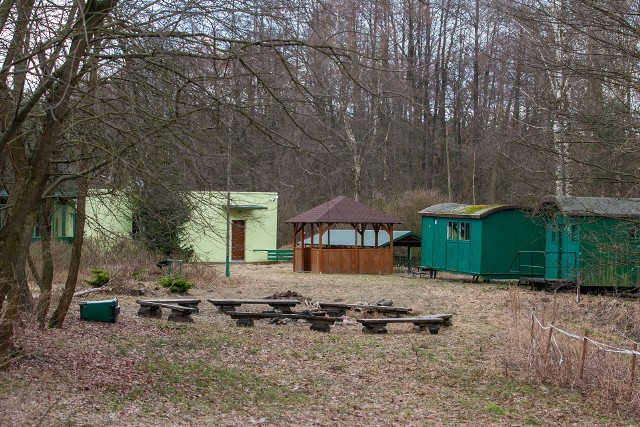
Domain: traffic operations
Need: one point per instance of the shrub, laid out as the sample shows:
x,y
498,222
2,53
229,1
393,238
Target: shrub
x,y
100,278
176,285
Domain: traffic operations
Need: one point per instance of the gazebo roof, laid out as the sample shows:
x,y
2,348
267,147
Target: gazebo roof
x,y
345,210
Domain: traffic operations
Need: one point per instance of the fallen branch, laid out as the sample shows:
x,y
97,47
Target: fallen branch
x,y
90,291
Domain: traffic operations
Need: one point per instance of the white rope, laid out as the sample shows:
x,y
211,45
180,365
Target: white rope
x,y
601,346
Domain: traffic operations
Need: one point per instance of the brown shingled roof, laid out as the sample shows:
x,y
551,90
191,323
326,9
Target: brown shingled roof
x,y
343,209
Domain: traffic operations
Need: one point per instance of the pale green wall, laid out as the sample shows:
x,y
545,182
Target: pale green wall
x,y
107,216
206,232
62,219
207,229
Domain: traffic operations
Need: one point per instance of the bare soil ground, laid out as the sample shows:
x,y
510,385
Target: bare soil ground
x,y
142,371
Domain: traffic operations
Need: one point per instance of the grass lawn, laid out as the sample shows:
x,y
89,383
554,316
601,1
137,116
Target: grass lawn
x,y
142,371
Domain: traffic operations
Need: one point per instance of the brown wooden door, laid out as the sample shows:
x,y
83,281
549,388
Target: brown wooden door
x,y
237,241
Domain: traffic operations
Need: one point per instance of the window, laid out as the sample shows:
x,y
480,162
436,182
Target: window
x,y
553,237
464,231
452,230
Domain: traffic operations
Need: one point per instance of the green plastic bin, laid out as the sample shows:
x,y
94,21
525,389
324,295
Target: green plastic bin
x,y
100,311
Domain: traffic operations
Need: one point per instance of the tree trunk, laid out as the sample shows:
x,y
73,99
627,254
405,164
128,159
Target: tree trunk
x,y
45,281
24,200
57,319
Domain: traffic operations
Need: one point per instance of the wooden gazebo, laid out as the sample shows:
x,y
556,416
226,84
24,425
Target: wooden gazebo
x,y
319,257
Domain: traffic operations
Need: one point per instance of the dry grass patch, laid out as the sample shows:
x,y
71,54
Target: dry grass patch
x,y
143,371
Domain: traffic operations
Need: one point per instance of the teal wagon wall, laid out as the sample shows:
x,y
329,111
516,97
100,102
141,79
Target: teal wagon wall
x,y
594,251
483,246
591,241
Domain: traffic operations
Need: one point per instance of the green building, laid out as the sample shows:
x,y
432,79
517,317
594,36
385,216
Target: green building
x,y
593,241
62,219
253,220
480,240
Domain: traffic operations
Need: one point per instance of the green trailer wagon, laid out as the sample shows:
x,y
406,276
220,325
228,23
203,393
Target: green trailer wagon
x,y
478,240
590,241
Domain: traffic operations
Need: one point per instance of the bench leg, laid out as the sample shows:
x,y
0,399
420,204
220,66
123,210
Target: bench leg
x,y
178,316
247,323
149,311
336,312
281,309
226,308
375,329
433,329
320,326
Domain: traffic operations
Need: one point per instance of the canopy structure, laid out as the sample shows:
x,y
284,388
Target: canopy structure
x,y
318,254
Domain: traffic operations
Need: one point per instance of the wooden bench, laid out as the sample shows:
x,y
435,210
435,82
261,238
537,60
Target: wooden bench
x,y
432,323
178,313
226,305
423,271
338,309
277,254
318,323
184,302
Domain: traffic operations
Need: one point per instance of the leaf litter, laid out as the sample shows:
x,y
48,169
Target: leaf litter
x,y
142,371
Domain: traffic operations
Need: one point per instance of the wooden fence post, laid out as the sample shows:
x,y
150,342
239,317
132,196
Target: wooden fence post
x,y
532,325
553,321
549,338
583,355
633,368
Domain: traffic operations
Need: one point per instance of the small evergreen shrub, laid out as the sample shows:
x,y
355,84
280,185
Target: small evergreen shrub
x,y
176,285
100,278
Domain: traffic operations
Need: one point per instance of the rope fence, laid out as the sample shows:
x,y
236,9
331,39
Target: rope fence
x,y
545,340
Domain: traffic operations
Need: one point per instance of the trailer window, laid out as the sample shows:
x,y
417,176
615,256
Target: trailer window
x,y
464,231
452,230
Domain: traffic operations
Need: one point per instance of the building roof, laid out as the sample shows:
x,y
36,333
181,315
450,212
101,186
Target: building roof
x,y
343,210
457,210
592,206
347,238
246,207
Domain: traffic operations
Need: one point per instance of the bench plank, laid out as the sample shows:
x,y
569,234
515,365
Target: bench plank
x,y
318,323
379,326
340,309
226,305
185,302
153,309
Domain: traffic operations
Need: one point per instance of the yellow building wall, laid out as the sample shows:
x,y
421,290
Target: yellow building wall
x,y
108,216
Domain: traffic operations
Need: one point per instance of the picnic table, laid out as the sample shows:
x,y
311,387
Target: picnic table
x,y
340,309
226,305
